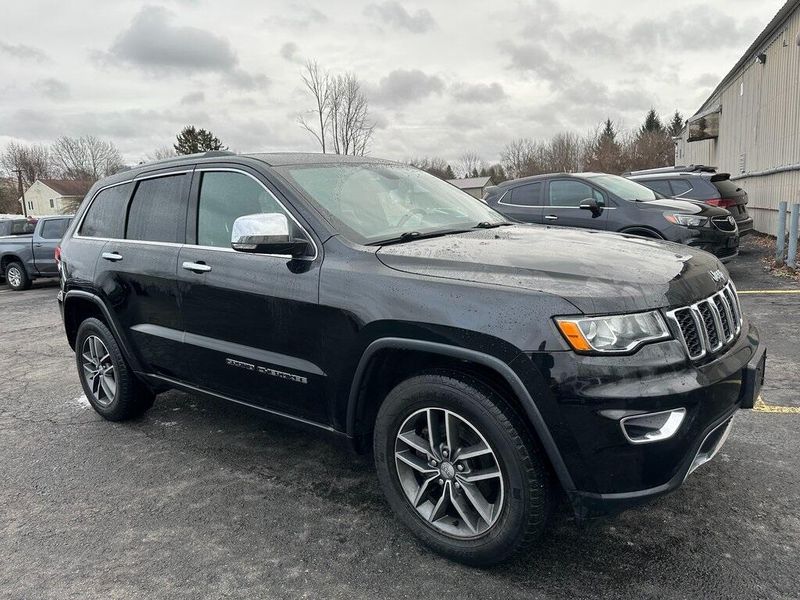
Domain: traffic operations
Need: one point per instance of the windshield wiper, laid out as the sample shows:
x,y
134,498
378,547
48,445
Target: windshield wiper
x,y
488,225
416,235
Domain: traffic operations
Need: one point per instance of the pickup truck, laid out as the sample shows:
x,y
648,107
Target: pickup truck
x,y
24,258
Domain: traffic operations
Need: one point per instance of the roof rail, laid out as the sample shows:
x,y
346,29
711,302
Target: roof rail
x,y
213,153
675,169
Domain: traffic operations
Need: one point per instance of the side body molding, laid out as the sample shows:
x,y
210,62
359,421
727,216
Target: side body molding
x,y
500,367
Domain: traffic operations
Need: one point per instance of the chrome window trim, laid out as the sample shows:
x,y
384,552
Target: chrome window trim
x,y
77,235
274,197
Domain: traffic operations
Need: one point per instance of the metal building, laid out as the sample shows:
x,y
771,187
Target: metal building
x,y
750,125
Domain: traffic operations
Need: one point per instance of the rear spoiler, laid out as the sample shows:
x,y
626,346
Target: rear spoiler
x,y
720,176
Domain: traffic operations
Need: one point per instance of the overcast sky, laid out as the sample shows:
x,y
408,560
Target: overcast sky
x,y
442,76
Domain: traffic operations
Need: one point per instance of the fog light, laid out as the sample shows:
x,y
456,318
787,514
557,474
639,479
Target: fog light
x,y
652,427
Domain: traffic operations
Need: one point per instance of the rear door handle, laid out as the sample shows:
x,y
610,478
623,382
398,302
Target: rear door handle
x,y
112,256
196,267
551,217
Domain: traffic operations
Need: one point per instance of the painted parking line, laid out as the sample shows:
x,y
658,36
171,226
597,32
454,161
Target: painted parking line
x,y
755,292
762,406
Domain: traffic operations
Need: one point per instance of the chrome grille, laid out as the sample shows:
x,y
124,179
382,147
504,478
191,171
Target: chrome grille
x,y
724,223
710,324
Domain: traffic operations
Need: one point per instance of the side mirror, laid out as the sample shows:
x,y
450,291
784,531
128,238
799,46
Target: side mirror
x,y
266,233
592,205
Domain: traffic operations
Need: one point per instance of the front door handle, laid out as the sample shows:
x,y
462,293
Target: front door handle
x,y
112,256
196,267
551,217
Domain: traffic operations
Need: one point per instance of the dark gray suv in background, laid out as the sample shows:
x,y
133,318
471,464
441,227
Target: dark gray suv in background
x,y
613,203
699,182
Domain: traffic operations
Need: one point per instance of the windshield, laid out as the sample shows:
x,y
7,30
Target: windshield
x,y
625,188
374,202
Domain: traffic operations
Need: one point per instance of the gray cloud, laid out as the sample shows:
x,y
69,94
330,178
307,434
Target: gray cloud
x,y
481,93
23,52
401,87
153,42
533,58
289,51
394,14
52,88
297,15
194,98
701,28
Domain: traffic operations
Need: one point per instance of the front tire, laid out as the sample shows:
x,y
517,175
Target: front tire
x,y
108,382
17,277
460,469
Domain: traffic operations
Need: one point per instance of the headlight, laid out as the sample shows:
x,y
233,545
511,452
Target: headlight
x,y
614,333
686,220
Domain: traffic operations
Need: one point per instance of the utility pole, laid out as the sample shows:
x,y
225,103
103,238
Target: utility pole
x,y
21,191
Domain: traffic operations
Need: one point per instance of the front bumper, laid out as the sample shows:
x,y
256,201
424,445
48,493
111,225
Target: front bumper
x,y
592,394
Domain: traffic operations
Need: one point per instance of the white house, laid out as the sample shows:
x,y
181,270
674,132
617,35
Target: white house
x,y
474,186
54,196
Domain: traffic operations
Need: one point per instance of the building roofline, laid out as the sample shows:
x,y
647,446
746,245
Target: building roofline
x,y
772,27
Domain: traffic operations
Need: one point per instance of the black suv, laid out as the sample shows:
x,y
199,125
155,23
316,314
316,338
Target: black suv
x,y
487,365
699,182
613,203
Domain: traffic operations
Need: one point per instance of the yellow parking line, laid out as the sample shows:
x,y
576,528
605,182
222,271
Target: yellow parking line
x,y
762,406
740,292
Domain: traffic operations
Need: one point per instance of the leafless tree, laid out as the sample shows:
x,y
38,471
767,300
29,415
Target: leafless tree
x,y
565,153
319,84
161,153
342,111
523,157
434,165
9,197
33,160
469,162
86,158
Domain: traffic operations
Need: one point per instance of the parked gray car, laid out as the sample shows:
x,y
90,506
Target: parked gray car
x,y
24,258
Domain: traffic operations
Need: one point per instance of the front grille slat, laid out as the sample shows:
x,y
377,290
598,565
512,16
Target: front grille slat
x,y
710,324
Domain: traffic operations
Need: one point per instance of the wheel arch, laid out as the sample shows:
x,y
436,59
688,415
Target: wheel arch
x,y
361,411
7,259
80,305
643,231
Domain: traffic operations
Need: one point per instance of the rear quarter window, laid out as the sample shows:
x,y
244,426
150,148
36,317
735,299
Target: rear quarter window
x,y
525,195
105,217
658,185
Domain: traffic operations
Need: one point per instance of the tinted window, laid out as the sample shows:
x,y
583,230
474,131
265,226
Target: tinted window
x,y
158,212
568,192
106,215
223,198
53,229
659,185
525,195
679,186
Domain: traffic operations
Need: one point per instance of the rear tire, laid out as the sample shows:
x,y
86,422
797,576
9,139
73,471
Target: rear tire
x,y
107,380
465,510
17,277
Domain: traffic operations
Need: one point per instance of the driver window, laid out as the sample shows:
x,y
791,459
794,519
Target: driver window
x,y
224,197
568,193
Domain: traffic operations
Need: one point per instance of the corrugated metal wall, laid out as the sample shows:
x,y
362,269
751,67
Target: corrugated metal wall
x,y
759,127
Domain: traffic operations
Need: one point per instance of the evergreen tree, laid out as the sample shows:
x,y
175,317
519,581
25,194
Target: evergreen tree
x,y
192,140
609,134
448,174
676,125
652,123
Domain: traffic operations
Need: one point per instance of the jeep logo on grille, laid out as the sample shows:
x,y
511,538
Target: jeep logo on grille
x,y
717,275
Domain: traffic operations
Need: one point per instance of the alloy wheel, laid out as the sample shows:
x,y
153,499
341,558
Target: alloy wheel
x,y
14,277
98,369
449,473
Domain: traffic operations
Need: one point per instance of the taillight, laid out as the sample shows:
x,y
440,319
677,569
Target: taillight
x,y
57,255
722,202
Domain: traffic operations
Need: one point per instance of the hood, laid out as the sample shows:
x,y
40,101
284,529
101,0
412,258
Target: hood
x,y
689,207
596,271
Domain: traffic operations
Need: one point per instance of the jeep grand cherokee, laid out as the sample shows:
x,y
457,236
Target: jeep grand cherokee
x,y
485,364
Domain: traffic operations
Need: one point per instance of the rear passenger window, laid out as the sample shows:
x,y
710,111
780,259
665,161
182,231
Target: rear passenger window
x,y
525,195
224,197
158,210
106,215
53,229
680,186
661,186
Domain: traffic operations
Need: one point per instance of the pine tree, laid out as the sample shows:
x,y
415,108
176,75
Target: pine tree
x,y
652,123
609,133
192,140
676,125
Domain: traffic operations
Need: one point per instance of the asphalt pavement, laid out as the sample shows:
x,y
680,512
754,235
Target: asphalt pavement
x,y
203,499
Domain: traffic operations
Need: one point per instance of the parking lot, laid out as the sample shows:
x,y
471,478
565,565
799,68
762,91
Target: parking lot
x,y
205,499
